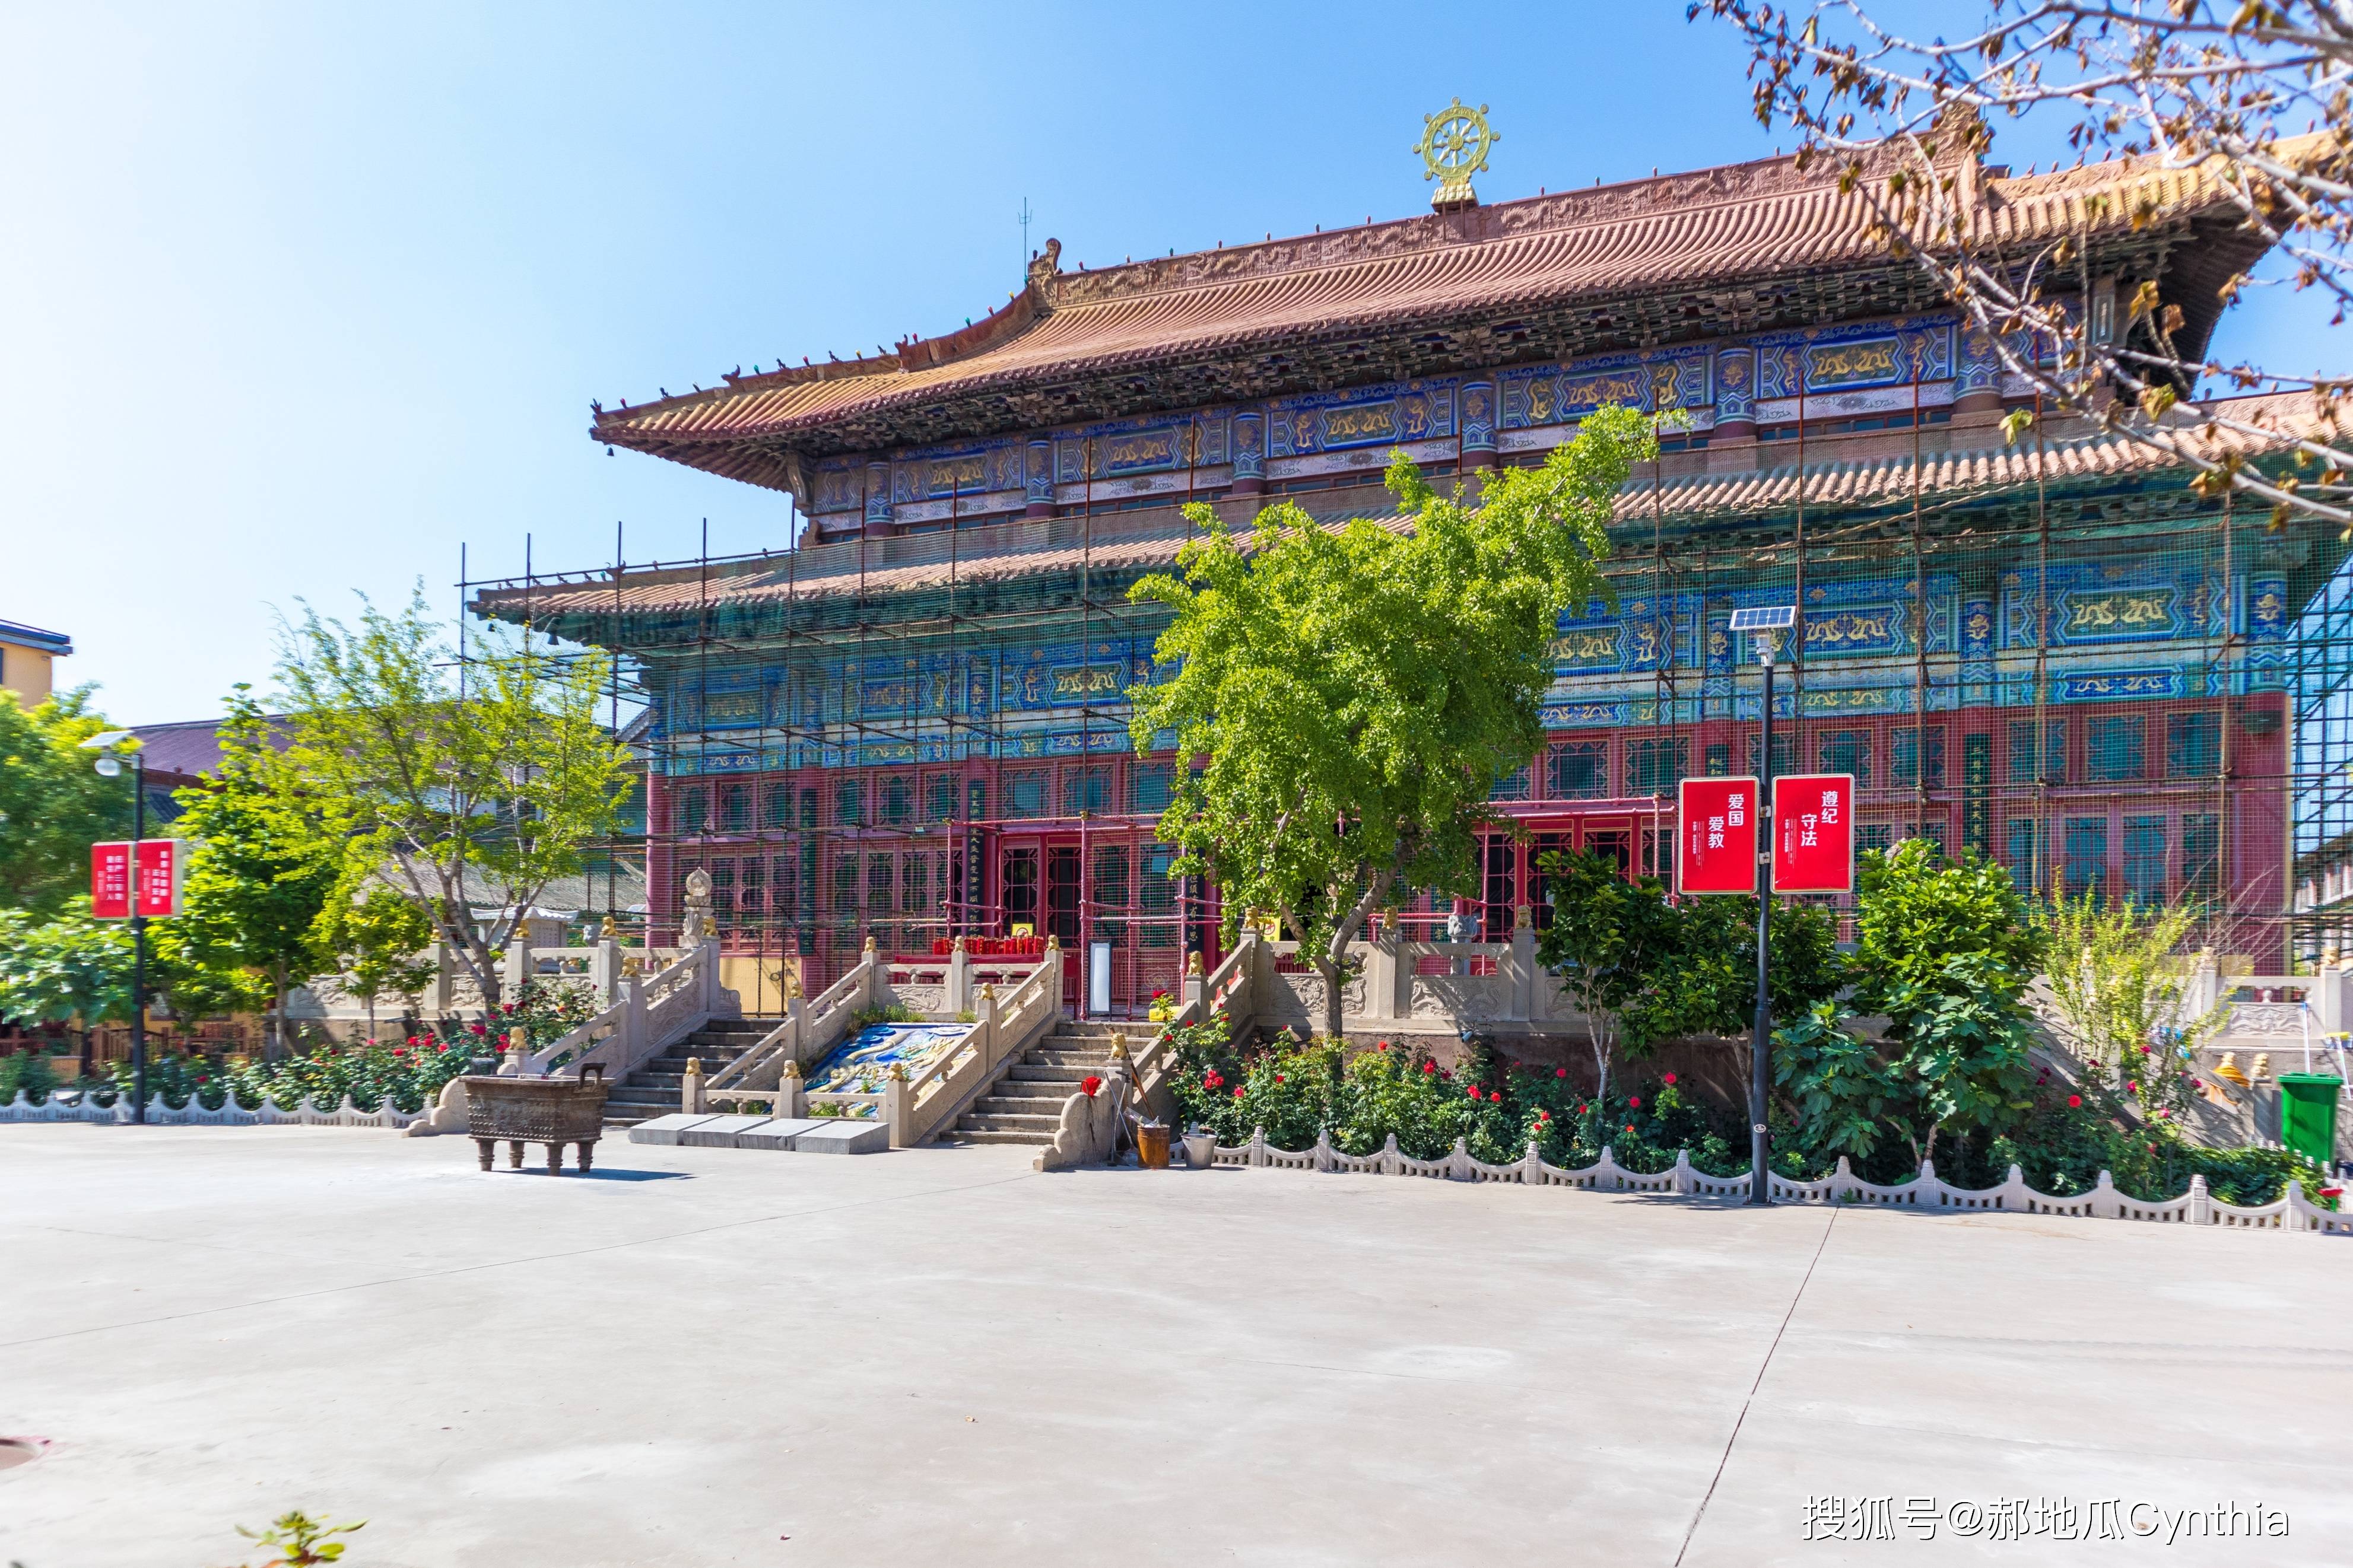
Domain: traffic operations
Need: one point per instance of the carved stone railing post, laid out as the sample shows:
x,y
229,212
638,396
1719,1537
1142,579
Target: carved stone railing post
x,y
1195,993
875,983
691,1097
444,968
633,1017
959,998
792,1091
605,970
894,1104
518,962
1523,964
985,1035
1380,977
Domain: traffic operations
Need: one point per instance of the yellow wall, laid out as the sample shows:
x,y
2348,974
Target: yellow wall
x,y
25,671
760,982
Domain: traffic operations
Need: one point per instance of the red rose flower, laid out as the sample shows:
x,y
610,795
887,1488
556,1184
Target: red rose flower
x,y
1560,1072
1671,1077
204,1078
1277,1077
1382,1046
1474,1091
1237,1093
1430,1067
1581,1110
2073,1100
1635,1102
1088,1085
1630,1126
2133,1084
1544,1116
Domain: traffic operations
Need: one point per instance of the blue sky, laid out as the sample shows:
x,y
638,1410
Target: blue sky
x,y
294,299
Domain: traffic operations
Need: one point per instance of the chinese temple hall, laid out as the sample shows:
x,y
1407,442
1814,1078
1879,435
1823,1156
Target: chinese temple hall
x,y
911,722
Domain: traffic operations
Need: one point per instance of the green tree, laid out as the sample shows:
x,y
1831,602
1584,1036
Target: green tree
x,y
268,851
1612,940
473,787
53,805
373,933
1643,970
1356,690
69,969
1944,950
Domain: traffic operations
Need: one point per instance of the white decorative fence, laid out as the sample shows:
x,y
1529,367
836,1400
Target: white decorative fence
x,y
2291,1211
69,1107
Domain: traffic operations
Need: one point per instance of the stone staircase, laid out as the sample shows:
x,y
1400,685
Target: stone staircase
x,y
1026,1105
653,1089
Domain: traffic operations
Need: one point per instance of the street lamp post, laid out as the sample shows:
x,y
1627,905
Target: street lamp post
x,y
111,766
1760,1180
1763,621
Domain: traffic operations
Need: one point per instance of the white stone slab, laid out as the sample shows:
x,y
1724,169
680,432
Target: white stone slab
x,y
778,1132
718,1132
843,1135
666,1129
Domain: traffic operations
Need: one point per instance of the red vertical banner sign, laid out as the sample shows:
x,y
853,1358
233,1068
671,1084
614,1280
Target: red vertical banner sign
x,y
1717,836
110,881
161,862
1814,833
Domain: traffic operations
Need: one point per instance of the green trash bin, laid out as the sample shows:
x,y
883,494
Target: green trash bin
x,y
2308,1114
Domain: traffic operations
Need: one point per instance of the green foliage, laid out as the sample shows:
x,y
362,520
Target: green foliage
x,y
888,1013
1497,1107
473,788
53,805
2115,982
1645,969
373,934
1917,912
26,1073
68,970
409,1073
1357,689
268,852
299,1540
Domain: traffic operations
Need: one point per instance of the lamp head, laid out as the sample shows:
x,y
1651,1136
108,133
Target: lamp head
x,y
105,739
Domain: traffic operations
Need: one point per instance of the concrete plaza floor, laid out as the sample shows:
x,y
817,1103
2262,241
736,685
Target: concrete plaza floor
x,y
715,1356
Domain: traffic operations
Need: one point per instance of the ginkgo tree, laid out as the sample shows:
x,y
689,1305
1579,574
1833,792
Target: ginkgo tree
x,y
470,787
1353,691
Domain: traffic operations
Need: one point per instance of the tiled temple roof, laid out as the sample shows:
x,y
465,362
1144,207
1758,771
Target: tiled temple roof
x,y
1877,477
1702,236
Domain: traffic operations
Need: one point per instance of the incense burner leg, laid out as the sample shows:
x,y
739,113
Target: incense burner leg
x,y
514,1155
489,1150
587,1154
555,1158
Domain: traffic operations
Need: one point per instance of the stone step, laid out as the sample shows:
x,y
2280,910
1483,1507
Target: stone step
x,y
974,1121
997,1135
1018,1105
1049,1072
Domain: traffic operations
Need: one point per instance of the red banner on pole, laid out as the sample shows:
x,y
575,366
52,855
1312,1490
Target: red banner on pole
x,y
1814,833
161,864
110,881
1717,842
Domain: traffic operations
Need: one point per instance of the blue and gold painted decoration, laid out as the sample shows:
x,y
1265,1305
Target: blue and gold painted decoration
x,y
2267,615
1652,381
2129,600
836,486
1384,415
1856,356
1736,384
1126,448
1249,445
1072,675
877,492
1479,411
972,470
1981,362
1038,473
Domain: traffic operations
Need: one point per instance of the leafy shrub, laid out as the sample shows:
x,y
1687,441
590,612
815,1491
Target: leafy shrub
x,y
27,1073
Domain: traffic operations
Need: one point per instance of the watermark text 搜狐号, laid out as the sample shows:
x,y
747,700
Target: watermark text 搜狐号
x,y
1837,1518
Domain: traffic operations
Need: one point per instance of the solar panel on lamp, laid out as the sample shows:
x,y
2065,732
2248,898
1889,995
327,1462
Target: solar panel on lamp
x,y
1764,618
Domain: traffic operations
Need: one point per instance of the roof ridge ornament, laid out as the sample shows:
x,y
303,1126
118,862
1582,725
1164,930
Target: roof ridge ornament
x,y
1453,147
